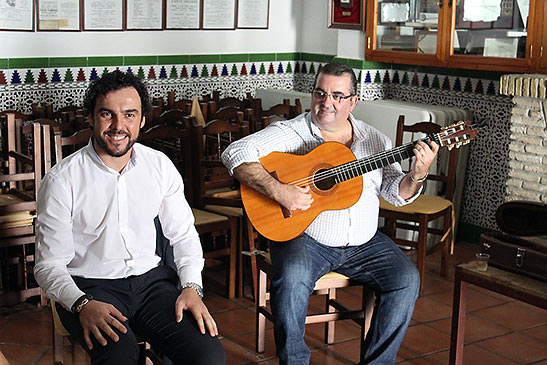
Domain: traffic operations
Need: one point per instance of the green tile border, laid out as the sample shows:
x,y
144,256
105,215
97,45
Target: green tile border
x,y
102,61
68,62
173,59
289,56
140,60
105,61
232,58
28,63
261,57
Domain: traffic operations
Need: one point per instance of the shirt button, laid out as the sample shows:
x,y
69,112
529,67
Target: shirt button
x,y
130,263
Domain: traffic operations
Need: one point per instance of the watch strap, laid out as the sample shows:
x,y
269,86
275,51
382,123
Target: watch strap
x,y
194,286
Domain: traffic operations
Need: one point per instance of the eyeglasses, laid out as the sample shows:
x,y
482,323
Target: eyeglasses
x,y
336,96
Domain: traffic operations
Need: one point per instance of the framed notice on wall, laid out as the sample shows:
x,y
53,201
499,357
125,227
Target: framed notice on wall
x,y
348,14
253,14
144,14
17,15
103,15
182,14
58,15
219,14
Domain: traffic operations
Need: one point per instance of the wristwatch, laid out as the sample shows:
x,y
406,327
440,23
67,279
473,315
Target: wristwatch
x,y
80,302
194,286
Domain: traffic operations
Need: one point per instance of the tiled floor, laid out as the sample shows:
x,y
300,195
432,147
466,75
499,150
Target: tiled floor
x,y
499,329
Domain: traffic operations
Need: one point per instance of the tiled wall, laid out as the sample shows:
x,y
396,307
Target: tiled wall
x,y
62,81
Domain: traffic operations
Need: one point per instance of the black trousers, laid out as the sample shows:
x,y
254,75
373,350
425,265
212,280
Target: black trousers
x,y
148,301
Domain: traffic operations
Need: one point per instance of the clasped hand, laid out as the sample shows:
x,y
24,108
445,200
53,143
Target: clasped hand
x,y
99,318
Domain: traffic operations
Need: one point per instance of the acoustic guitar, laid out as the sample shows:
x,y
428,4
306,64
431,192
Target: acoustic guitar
x,y
335,179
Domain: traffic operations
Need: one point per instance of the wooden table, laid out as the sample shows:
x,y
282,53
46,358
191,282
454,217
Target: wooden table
x,y
513,285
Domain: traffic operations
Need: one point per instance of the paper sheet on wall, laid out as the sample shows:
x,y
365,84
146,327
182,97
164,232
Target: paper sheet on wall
x,y
524,8
481,10
500,47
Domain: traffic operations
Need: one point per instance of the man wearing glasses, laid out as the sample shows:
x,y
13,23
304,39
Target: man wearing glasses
x,y
345,241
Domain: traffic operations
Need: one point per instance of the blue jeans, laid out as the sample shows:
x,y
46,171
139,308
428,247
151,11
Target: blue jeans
x,y
379,264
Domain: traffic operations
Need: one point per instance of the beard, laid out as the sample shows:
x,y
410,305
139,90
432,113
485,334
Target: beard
x,y
101,141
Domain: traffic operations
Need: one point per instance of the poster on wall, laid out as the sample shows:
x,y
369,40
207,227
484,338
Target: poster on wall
x,y
347,14
253,14
219,14
103,15
58,15
144,14
182,14
17,15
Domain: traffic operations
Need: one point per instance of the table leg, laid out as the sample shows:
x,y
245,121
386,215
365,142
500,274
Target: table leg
x,y
459,313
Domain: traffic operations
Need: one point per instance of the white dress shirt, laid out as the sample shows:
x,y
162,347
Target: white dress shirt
x,y
352,226
95,222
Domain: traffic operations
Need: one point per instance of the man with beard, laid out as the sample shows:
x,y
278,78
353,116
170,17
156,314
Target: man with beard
x,y
96,240
346,240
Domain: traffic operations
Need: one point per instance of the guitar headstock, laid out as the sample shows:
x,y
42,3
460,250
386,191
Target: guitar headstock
x,y
458,134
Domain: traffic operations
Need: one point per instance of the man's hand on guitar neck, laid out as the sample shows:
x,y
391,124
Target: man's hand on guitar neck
x,y
291,197
424,155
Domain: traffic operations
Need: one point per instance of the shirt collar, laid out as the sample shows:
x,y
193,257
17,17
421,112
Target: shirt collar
x,y
97,160
316,132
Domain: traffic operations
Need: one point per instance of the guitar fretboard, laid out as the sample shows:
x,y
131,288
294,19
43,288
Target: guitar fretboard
x,y
360,167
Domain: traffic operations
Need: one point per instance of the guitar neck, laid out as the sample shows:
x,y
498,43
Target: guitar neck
x,y
361,166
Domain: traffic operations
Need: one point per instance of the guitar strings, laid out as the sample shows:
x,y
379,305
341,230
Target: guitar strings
x,y
353,165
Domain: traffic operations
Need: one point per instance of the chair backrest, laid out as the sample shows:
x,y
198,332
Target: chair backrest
x,y
174,117
24,171
175,141
208,144
64,146
230,114
444,169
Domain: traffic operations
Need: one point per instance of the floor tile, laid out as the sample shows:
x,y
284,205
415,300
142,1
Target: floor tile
x,y
17,332
426,310
518,347
476,329
475,299
472,355
514,315
539,332
343,331
351,350
423,339
326,357
233,323
235,354
22,354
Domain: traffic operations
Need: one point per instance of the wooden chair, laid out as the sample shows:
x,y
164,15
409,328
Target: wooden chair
x,y
417,216
218,230
326,285
262,118
216,190
20,183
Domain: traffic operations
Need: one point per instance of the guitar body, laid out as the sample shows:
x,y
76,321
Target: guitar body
x,y
278,224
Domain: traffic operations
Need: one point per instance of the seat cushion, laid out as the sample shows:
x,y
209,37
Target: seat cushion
x,y
424,204
203,217
225,210
223,193
15,219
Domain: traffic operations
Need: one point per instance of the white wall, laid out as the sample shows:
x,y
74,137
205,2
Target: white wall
x,y
316,37
295,26
282,36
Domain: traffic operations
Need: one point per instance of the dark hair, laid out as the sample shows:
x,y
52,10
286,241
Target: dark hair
x,y
113,81
338,69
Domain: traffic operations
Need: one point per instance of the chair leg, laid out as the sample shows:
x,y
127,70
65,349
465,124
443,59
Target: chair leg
x,y
422,249
58,353
447,224
252,247
231,285
368,309
329,326
260,318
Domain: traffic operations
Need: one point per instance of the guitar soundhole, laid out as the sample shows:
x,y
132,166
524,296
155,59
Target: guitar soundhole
x,y
323,180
